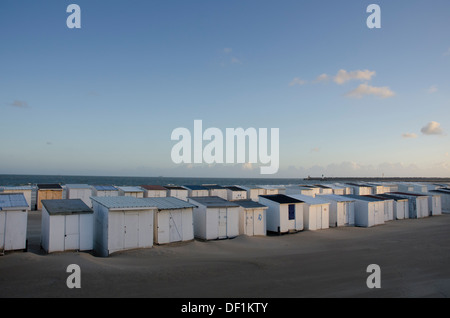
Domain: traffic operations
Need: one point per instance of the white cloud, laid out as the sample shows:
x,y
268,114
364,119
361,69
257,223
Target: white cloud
x,y
322,78
235,60
432,128
409,135
227,50
344,76
432,89
297,81
316,149
365,89
447,53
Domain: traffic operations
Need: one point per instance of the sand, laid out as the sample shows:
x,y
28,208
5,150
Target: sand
x,y
414,256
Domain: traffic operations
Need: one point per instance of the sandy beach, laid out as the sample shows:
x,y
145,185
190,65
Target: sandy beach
x,y
414,256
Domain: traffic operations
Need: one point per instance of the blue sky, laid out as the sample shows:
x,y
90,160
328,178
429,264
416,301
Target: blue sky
x,y
104,99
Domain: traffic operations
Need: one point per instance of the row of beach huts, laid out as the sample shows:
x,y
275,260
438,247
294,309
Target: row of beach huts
x,y
108,219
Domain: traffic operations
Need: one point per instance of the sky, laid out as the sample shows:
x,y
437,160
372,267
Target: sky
x,y
105,98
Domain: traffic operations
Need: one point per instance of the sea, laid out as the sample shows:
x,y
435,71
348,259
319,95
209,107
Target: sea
x,y
21,180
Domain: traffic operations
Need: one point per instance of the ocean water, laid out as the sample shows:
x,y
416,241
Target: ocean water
x,y
15,180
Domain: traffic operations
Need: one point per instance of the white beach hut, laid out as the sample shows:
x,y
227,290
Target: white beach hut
x,y
342,210
434,202
316,212
236,193
445,199
215,218
104,191
13,221
324,189
25,190
418,204
284,213
196,190
66,225
135,192
360,189
272,189
388,206
173,220
401,208
122,223
154,191
368,211
253,192
215,190
338,190
79,191
252,218
177,192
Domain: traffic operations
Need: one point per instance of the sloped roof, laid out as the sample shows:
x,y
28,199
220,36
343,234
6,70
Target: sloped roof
x,y
213,202
12,200
66,206
168,203
281,198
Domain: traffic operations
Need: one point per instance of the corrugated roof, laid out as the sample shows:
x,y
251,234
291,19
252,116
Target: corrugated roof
x,y
393,197
123,202
171,187
195,187
12,200
78,186
250,204
153,187
105,188
377,196
281,198
130,189
212,186
213,202
168,203
361,197
235,188
49,186
335,197
66,206
25,188
409,193
308,199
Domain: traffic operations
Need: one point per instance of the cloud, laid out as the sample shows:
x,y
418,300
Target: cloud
x,y
365,89
297,81
227,50
235,60
316,149
432,128
322,78
447,53
343,76
432,89
409,135
19,104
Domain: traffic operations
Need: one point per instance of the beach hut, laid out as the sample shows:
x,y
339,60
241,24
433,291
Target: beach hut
x,y
284,213
48,192
177,192
13,221
360,189
368,211
434,202
236,193
401,208
324,189
252,217
316,212
445,198
417,204
342,210
154,191
253,192
215,190
196,190
388,206
104,191
405,187
338,190
376,188
66,224
79,191
122,223
135,192
173,220
25,190
215,218
272,189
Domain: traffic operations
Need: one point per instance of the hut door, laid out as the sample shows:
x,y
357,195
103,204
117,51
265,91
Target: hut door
x,y
249,222
343,217
72,232
131,230
222,232
175,228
